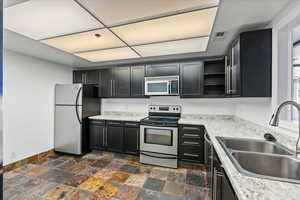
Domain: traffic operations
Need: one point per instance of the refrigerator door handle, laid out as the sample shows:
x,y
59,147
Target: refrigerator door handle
x,y
76,105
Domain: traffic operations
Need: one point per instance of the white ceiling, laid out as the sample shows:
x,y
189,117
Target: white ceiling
x,y
79,27
233,17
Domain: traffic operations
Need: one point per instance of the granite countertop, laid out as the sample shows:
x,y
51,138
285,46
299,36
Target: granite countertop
x,y
246,188
120,116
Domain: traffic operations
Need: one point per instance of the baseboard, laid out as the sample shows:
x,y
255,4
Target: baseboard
x,y
35,159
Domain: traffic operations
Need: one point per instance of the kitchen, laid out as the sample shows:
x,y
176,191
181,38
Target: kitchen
x,y
151,100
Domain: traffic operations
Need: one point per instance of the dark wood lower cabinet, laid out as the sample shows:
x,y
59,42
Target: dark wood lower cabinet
x,y
97,135
222,188
191,143
131,138
115,136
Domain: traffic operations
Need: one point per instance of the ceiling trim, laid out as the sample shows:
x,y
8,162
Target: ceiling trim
x,y
105,26
143,44
69,34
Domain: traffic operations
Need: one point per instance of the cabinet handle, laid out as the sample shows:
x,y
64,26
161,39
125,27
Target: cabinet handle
x,y
111,87
103,139
190,128
215,185
189,154
130,124
114,84
137,140
192,143
191,135
114,123
106,136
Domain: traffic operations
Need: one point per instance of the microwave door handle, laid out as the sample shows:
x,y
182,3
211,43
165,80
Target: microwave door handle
x,y
169,87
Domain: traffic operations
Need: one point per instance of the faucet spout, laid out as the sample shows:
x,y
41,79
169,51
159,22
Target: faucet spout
x,y
275,120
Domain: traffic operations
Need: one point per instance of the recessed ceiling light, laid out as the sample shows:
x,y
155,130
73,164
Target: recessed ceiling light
x,y
97,35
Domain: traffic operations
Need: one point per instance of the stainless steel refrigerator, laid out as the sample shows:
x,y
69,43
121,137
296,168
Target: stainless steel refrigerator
x,y
74,103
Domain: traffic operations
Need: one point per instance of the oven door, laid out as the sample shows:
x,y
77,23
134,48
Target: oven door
x,y
158,87
159,139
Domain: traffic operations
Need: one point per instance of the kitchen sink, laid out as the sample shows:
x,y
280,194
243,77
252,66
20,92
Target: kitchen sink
x,y
254,145
280,167
262,159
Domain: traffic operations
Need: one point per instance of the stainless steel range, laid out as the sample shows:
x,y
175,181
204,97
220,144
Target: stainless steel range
x,y
159,136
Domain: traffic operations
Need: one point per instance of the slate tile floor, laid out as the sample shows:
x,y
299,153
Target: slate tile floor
x,y
105,176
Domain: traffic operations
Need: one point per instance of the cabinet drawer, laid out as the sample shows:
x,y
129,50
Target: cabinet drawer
x,y
191,131
191,142
114,123
97,122
193,153
132,124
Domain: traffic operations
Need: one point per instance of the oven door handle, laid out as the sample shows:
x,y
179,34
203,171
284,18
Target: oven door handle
x,y
170,157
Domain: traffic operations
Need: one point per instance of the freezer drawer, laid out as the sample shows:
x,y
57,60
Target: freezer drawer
x,y
67,135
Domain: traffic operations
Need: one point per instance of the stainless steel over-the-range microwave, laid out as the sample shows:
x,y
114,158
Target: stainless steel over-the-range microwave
x,y
162,85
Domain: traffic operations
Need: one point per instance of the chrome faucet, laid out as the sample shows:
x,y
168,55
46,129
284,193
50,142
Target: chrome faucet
x,y
275,120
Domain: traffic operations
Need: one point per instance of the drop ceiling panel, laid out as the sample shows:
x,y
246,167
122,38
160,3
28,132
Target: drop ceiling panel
x,y
116,11
108,55
86,41
174,47
192,24
40,19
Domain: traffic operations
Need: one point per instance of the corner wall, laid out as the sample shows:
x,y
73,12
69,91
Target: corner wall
x,y
29,104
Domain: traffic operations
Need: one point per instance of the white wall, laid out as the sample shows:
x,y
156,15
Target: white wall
x,y
260,112
29,104
189,106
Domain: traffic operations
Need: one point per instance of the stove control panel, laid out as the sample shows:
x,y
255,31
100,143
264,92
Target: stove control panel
x,y
165,108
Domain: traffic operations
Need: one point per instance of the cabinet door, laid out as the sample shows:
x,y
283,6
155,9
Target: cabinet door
x,y
131,139
97,136
121,84
170,69
106,82
78,77
235,69
227,191
92,77
192,79
137,81
115,138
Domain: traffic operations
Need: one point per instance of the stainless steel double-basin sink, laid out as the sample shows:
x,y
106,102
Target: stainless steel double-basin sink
x,y
262,159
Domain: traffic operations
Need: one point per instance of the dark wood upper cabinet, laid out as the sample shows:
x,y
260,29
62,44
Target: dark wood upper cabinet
x,y
137,81
251,64
191,79
78,76
86,77
105,83
121,82
169,69
92,77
